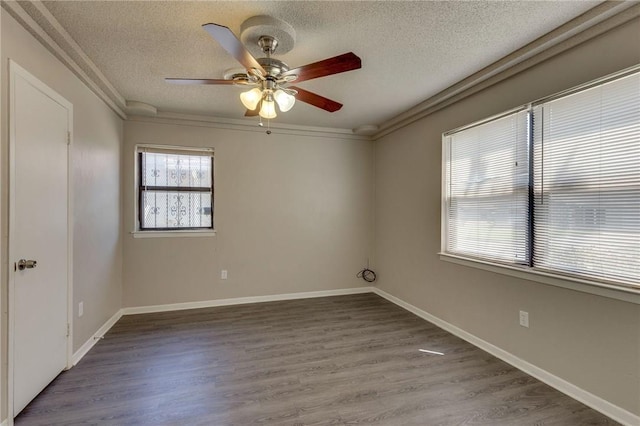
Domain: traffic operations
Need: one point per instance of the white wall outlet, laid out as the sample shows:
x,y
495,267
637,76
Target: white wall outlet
x,y
80,309
223,274
524,319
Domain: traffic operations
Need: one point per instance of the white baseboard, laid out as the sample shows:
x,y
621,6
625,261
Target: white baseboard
x,y
243,300
605,407
80,353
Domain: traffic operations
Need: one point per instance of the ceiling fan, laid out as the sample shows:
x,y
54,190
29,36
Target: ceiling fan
x,y
270,78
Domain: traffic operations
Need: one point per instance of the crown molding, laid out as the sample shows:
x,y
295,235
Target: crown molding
x,y
85,62
163,117
596,21
38,21
71,55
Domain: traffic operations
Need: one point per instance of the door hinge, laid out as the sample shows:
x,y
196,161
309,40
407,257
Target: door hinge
x,y
68,138
68,329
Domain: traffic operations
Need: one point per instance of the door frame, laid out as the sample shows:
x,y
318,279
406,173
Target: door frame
x,y
16,70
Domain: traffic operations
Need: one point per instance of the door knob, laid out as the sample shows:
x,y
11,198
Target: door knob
x,y
26,264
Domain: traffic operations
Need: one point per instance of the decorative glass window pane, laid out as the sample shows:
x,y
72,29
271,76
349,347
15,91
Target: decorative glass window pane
x,y
163,209
174,170
175,190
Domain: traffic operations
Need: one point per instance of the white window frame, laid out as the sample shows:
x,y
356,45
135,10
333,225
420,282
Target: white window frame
x,y
602,288
171,233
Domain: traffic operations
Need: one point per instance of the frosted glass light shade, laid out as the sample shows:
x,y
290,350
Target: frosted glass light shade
x,y
268,109
251,98
285,101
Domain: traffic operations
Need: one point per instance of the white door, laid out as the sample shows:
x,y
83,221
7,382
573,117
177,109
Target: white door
x,y
40,122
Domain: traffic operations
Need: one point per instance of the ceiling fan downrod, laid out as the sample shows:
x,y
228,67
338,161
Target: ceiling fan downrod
x,y
268,44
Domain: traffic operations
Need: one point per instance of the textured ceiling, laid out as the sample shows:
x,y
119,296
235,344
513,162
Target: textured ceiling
x,y
410,50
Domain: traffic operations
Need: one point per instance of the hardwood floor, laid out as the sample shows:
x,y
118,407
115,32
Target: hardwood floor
x,y
325,361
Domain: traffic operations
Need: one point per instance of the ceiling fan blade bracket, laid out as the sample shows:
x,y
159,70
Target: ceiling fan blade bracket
x,y
287,78
256,73
243,83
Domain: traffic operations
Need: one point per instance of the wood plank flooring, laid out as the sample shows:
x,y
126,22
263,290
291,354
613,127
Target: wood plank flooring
x,y
326,361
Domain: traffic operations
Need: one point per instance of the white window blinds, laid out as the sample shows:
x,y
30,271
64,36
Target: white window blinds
x,y
487,190
587,182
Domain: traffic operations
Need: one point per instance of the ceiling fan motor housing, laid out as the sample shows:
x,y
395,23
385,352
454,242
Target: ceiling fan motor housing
x,y
273,67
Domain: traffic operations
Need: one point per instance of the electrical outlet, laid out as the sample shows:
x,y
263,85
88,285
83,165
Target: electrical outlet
x,y
80,309
524,319
223,274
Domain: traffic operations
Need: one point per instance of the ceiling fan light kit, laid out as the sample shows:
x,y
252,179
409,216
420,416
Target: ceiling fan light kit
x,y
268,89
284,100
270,77
268,108
251,98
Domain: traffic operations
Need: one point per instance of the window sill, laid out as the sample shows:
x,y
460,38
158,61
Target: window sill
x,y
626,294
172,234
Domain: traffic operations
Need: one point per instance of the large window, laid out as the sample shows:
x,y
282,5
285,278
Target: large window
x,y
175,189
554,187
488,190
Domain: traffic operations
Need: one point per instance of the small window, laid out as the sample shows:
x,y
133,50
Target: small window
x,y
175,189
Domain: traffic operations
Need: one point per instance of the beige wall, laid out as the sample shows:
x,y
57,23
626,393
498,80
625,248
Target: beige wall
x,y
97,138
590,341
292,214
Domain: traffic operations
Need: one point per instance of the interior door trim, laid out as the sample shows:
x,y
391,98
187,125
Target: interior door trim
x,y
16,70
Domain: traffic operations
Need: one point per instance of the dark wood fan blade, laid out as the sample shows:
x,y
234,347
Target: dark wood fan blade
x,y
198,81
316,100
231,44
337,64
